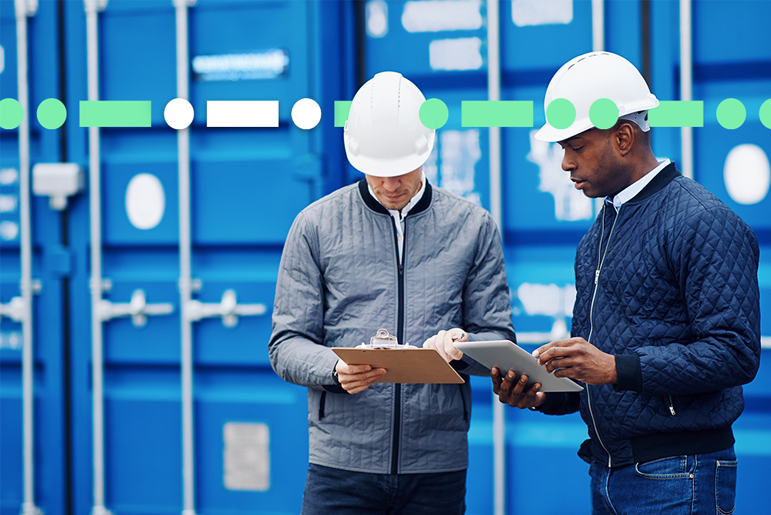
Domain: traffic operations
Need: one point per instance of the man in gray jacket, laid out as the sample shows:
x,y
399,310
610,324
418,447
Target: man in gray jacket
x,y
388,252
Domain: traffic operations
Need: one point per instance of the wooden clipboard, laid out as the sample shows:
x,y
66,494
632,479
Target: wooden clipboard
x,y
403,365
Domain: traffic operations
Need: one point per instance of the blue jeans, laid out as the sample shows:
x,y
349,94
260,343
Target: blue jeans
x,y
695,484
342,492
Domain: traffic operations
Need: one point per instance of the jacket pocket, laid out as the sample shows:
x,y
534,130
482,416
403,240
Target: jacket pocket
x,y
322,403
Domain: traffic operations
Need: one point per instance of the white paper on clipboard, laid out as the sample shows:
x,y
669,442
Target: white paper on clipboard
x,y
508,356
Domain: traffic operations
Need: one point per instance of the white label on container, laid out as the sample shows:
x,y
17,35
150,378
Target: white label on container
x,y
456,54
538,12
9,230
436,15
747,174
145,201
8,203
8,176
377,18
247,456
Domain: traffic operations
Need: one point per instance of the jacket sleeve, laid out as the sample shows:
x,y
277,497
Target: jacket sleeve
x,y
296,350
715,256
486,303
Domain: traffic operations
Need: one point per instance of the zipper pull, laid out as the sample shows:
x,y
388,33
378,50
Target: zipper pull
x,y
671,406
596,276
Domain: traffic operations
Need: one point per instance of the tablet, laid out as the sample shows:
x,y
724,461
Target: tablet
x,y
508,356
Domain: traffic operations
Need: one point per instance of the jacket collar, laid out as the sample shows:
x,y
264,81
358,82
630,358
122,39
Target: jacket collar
x,y
664,177
377,207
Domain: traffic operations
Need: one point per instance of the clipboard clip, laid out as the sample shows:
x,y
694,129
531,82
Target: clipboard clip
x,y
384,340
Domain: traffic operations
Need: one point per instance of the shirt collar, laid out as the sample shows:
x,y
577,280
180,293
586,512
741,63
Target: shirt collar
x,y
414,200
636,187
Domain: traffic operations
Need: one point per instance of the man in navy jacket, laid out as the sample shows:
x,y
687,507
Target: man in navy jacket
x,y
666,324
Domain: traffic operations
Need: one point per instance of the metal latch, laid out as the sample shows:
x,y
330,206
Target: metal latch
x,y
13,310
137,309
228,309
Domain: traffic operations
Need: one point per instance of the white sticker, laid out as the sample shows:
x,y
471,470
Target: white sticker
x,y
145,201
377,18
538,12
456,54
436,15
9,230
8,203
2,59
8,176
747,174
246,456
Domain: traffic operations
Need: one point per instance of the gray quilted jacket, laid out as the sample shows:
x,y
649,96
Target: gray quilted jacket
x,y
340,280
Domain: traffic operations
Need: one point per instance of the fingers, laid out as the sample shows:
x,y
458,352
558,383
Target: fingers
x,y
354,383
496,377
443,343
514,392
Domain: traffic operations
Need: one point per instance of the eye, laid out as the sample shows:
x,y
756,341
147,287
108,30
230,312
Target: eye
x,y
576,149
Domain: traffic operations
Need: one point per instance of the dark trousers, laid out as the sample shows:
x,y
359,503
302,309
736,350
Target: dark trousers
x,y
330,491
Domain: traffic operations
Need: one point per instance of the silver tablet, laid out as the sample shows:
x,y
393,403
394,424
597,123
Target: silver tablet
x,y
508,356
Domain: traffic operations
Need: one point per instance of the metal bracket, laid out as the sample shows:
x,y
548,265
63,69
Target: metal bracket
x,y
184,3
26,7
95,5
14,309
29,508
137,309
228,309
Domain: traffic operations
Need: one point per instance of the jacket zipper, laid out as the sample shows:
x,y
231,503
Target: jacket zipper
x,y
600,261
671,405
400,337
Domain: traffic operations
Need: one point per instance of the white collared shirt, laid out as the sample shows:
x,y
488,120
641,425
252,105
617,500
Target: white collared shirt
x,y
636,187
399,216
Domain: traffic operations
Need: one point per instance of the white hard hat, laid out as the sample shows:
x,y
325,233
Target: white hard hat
x,y
383,135
590,77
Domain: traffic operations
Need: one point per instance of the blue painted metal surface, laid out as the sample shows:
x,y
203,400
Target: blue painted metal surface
x,y
49,266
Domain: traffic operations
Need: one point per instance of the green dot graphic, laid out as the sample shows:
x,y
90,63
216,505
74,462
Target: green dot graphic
x,y
11,113
561,113
51,113
731,113
603,114
765,114
434,113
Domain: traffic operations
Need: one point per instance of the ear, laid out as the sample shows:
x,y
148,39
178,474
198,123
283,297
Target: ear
x,y
624,138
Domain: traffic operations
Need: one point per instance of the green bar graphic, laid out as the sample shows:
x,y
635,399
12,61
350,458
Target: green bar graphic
x,y
115,113
341,112
677,113
497,113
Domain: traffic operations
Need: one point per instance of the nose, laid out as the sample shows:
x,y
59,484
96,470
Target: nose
x,y
568,164
391,184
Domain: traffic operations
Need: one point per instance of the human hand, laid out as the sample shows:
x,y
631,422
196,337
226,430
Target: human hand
x,y
512,391
355,378
443,341
577,359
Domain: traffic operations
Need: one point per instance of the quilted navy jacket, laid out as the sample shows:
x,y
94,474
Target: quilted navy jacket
x,y
677,303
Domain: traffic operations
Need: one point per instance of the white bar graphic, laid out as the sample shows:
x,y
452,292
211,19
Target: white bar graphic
x,y
242,113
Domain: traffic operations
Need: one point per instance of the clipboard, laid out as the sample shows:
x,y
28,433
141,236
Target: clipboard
x,y
423,366
507,356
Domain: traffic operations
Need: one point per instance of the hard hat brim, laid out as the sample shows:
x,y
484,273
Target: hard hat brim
x,y
379,167
552,135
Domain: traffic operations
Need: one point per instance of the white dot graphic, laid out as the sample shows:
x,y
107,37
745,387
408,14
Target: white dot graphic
x,y
178,114
306,113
